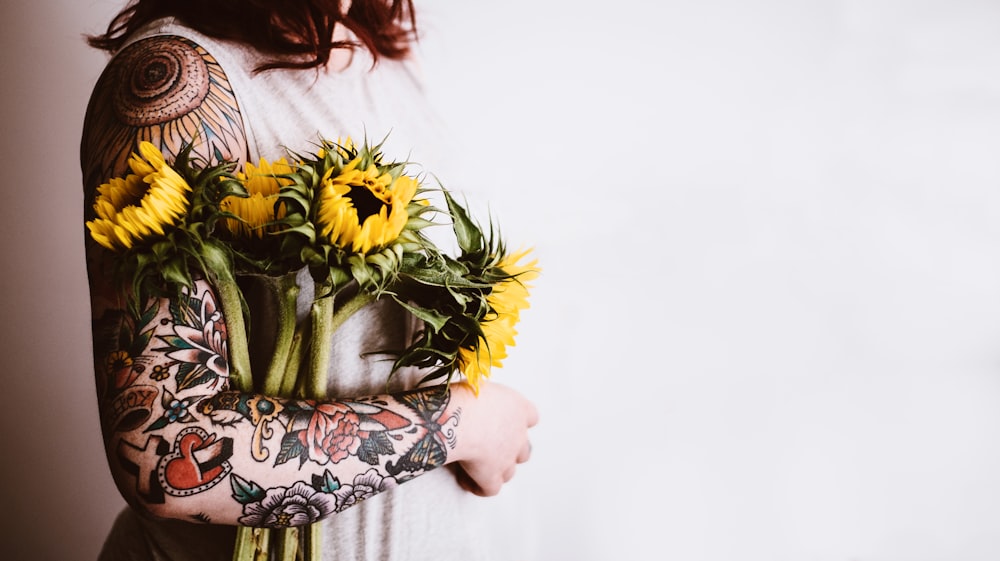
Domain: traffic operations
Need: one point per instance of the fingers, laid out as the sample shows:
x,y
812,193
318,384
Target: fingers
x,y
498,421
483,486
532,415
480,484
525,454
465,481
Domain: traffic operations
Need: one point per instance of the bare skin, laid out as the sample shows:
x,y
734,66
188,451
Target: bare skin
x,y
180,443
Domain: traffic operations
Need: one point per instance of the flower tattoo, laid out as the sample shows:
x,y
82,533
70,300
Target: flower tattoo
x,y
281,507
198,342
302,503
365,485
333,433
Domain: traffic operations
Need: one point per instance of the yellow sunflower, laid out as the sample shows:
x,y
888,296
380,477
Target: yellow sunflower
x,y
362,209
145,203
257,211
506,301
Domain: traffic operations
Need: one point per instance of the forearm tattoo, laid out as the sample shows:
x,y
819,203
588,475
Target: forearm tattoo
x,y
177,431
166,90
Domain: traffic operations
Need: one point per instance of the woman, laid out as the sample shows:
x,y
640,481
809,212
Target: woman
x,y
244,80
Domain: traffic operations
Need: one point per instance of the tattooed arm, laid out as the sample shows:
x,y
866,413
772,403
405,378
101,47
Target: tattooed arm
x,y
179,444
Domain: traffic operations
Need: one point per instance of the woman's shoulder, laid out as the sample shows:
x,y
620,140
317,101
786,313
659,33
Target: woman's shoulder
x,y
166,85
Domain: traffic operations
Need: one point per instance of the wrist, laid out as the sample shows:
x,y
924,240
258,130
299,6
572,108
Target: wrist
x,y
461,403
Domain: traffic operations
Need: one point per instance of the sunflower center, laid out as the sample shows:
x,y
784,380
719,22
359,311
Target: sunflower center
x,y
156,71
131,193
365,202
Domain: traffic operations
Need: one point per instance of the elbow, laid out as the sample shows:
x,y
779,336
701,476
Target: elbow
x,y
160,481
134,461
157,506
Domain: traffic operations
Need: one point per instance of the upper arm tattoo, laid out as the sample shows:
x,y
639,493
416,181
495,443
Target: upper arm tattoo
x,y
166,90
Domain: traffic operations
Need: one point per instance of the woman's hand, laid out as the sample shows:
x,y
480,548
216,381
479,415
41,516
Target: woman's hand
x,y
492,435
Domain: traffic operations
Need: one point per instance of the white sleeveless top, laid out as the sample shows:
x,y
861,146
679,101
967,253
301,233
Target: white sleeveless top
x,y
429,518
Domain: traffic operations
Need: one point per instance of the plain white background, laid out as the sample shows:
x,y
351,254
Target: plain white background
x,y
769,322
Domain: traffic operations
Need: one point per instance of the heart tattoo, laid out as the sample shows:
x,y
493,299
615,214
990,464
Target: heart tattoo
x,y
199,461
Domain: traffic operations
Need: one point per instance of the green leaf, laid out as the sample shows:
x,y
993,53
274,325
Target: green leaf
x,y
438,373
246,492
361,273
291,447
376,444
431,317
294,195
159,424
468,233
339,277
325,483
175,272
382,261
141,341
307,230
149,314
235,189
192,377
419,223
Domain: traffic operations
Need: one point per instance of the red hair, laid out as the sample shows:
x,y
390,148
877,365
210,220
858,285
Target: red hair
x,y
298,33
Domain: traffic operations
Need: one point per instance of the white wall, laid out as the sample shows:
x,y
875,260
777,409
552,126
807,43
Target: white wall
x,y
769,322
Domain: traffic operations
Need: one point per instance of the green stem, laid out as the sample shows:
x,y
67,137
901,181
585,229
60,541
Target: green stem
x,y
252,544
293,366
319,349
325,322
313,548
288,544
303,543
287,295
219,268
239,350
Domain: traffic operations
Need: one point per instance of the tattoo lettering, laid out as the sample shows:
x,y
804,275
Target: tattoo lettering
x,y
123,340
131,408
169,91
194,336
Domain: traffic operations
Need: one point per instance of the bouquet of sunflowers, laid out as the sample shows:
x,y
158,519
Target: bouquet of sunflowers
x,y
355,222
